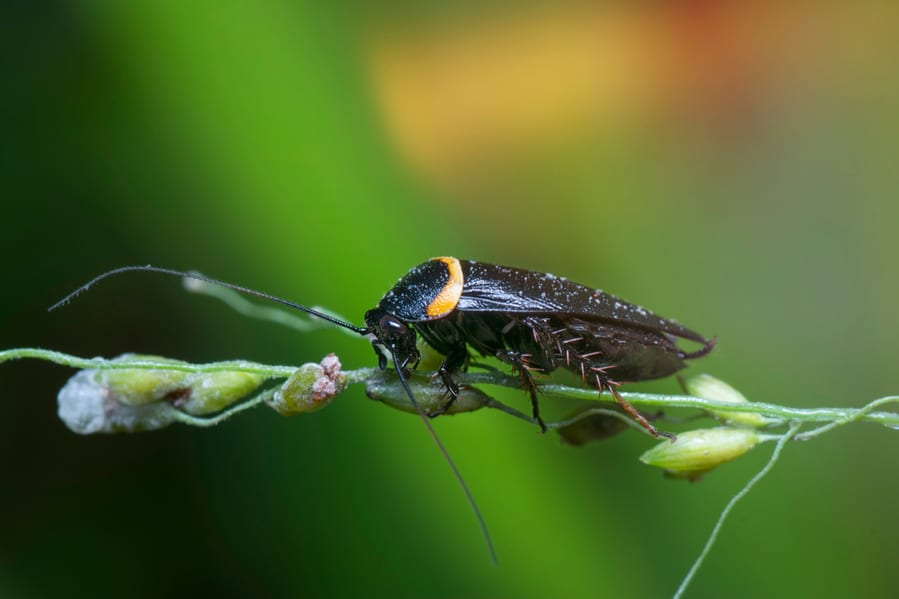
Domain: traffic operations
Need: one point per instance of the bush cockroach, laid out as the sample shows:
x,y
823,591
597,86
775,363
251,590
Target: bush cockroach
x,y
535,322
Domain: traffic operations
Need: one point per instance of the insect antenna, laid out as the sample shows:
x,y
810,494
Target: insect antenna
x,y
205,279
424,418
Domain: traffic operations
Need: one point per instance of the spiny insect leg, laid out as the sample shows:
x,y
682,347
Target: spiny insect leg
x,y
603,382
541,332
521,363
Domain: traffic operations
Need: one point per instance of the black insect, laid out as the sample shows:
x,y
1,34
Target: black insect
x,y
533,321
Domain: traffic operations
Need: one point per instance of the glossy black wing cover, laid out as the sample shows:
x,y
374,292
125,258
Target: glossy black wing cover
x,y
492,288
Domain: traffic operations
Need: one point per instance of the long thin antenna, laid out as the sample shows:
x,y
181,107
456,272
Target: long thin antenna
x,y
474,506
199,277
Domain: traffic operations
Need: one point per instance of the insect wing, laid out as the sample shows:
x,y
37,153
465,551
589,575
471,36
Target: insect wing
x,y
491,288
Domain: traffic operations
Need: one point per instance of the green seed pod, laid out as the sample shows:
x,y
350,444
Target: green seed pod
x,y
135,399
212,392
87,407
310,388
196,393
696,452
708,387
431,396
135,387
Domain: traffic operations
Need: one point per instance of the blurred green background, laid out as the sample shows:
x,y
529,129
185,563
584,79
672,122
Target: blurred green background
x,y
733,167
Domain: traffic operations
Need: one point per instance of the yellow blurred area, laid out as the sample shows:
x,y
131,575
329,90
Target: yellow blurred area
x,y
470,94
452,96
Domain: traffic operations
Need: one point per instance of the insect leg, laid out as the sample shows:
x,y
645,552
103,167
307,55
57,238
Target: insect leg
x,y
603,382
451,364
521,363
382,357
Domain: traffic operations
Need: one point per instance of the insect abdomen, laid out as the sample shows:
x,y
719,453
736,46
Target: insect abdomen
x,y
550,342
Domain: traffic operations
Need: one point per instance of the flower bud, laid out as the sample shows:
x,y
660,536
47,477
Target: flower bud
x,y
431,396
310,388
696,452
708,387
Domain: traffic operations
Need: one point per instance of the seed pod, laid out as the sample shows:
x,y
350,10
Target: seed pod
x,y
430,395
138,386
708,387
196,393
212,392
310,388
135,399
87,407
696,452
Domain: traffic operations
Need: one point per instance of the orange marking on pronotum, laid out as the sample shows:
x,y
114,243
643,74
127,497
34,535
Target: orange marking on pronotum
x,y
448,298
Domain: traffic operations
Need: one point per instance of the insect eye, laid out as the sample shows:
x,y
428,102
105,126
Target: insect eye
x,y
391,324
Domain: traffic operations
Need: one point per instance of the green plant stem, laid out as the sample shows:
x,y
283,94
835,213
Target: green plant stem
x,y
595,412
856,415
832,417
103,363
710,542
201,421
835,416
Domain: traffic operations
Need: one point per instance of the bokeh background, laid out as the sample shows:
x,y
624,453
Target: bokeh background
x,y
730,164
